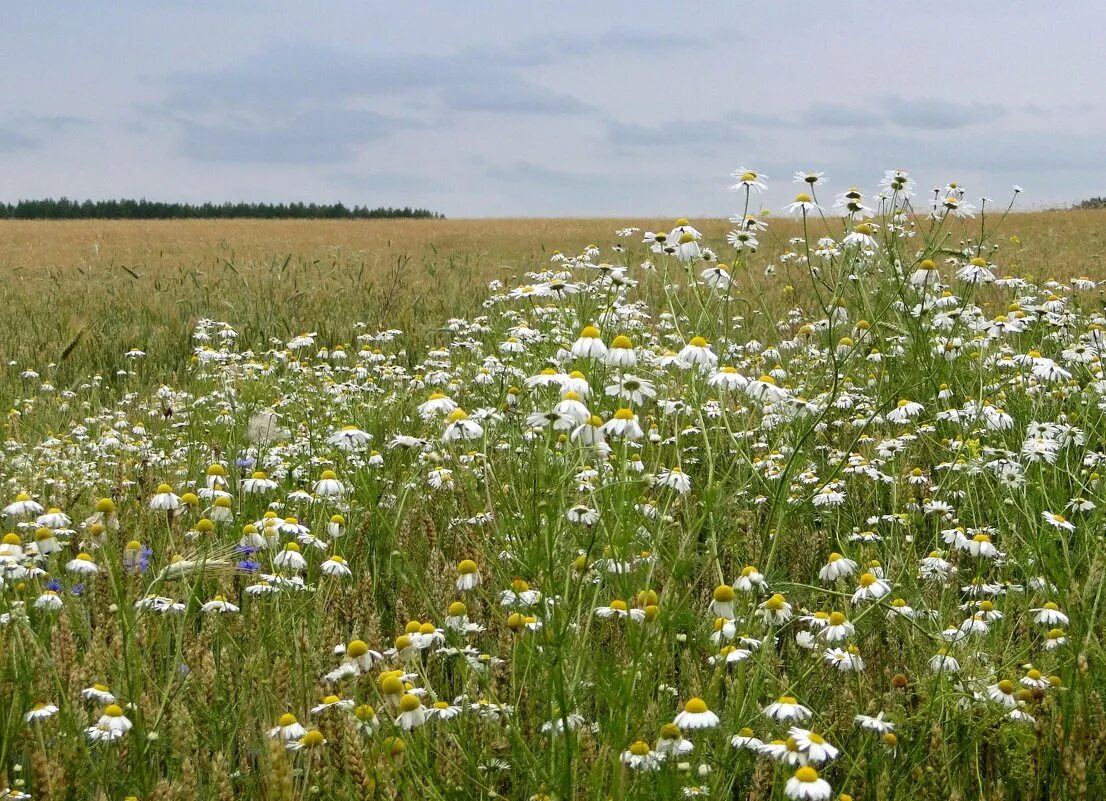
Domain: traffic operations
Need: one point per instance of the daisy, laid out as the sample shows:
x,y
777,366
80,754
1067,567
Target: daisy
x,y
1059,521
290,558
746,739
805,785
412,713
671,741
336,566
812,745
621,352
632,388
837,566
589,345
697,353
696,716
165,499
98,693
787,708
870,588
1049,615
749,180
750,579
82,565
348,438
674,478
40,712
639,756
803,205
328,485
442,710
111,726
23,506
258,483
839,628
459,427
775,611
220,605
1003,692
844,659
876,724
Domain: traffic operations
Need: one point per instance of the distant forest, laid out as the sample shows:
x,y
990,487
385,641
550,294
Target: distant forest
x,y
1092,203
66,209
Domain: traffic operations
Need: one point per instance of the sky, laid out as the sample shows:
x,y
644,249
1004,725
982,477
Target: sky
x,y
522,109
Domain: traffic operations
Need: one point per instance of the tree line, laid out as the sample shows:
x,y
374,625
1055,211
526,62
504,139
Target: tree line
x,y
1092,203
65,209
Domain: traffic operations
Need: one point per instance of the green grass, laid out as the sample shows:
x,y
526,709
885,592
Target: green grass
x,y
203,689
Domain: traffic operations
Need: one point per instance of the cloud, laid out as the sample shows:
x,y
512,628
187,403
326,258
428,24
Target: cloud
x,y
551,48
677,134
302,103
290,76
319,137
935,114
841,116
1000,152
12,141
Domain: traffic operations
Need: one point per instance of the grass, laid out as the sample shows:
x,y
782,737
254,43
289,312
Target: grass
x,y
638,548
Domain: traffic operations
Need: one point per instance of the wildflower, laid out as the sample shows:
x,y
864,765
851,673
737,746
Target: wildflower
x,y
1049,615
805,785
468,576
803,204
1003,692
723,603
837,566
639,756
291,558
775,611
844,659
787,708
331,702
40,712
23,506
871,588
82,565
336,566
412,714
812,745
621,352
1059,521
111,726
839,628
748,180
624,423
674,478
460,427
747,740
750,579
328,485
697,353
220,605
696,716
98,693
366,718
165,499
1056,638
348,438
258,484
876,724
944,662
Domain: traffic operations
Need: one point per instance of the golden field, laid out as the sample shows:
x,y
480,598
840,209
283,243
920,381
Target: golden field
x,y
107,286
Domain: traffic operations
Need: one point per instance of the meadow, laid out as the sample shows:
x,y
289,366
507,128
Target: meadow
x,y
800,506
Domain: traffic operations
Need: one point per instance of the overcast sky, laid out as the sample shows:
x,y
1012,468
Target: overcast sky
x,y
547,109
